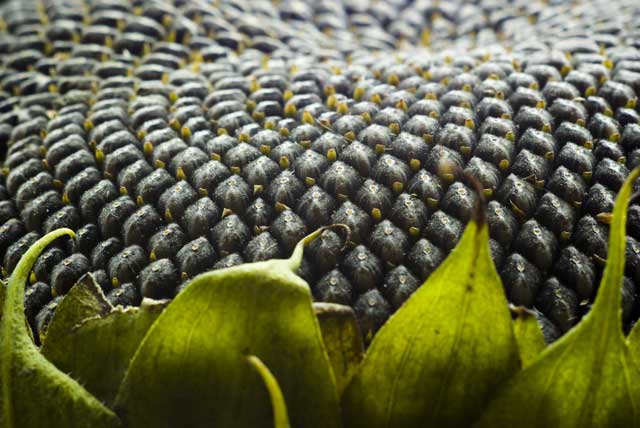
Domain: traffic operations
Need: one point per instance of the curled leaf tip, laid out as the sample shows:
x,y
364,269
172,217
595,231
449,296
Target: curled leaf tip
x,y
296,257
22,271
44,380
347,230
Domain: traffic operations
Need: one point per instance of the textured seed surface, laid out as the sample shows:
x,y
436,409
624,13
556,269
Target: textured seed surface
x,y
173,148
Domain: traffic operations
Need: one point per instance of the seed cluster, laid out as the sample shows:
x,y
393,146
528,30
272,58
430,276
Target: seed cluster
x,y
178,137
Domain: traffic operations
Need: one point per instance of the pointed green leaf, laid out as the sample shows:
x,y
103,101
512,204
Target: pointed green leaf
x,y
587,378
97,352
35,394
84,300
528,335
342,339
438,359
280,417
200,342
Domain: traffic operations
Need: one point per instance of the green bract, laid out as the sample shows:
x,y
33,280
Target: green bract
x,y
191,370
98,350
587,378
245,346
34,392
437,361
84,300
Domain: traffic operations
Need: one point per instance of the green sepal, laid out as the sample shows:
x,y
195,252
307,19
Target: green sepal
x,y
84,300
200,342
35,394
587,378
98,350
438,359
